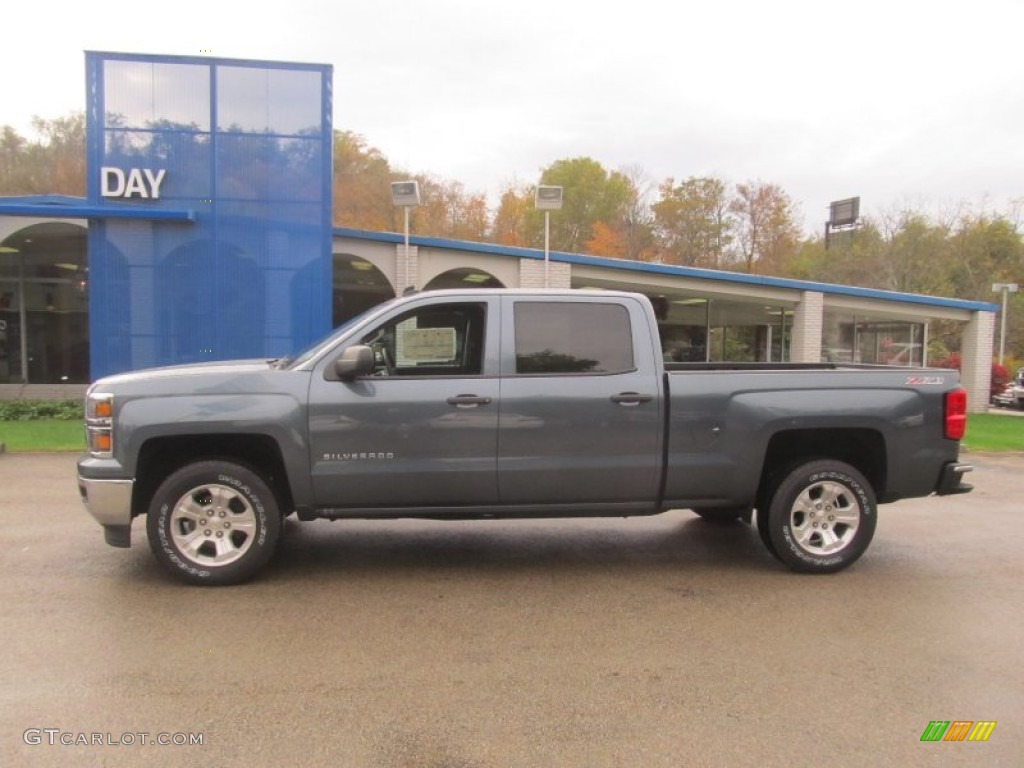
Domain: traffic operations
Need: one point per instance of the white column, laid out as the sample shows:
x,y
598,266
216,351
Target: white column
x,y
976,359
407,270
808,322
531,274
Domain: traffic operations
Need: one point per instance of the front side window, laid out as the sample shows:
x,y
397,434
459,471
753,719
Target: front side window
x,y
571,337
437,340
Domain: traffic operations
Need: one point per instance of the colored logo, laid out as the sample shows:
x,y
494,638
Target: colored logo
x,y
958,730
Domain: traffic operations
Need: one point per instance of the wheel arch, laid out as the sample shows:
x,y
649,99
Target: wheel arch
x,y
863,449
159,457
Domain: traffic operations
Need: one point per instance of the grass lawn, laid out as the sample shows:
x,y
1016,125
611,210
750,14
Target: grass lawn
x,y
994,432
985,432
43,435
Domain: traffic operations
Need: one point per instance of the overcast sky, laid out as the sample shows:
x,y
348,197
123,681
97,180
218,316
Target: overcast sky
x,y
903,102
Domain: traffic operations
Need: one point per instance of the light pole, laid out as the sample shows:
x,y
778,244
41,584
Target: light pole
x,y
406,194
548,199
1007,289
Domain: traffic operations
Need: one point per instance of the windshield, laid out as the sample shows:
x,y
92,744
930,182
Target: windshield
x,y
313,350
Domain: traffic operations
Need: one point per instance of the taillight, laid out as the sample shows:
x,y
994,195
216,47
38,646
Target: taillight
x,y
955,414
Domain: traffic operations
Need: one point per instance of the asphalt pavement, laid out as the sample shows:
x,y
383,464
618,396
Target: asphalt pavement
x,y
663,641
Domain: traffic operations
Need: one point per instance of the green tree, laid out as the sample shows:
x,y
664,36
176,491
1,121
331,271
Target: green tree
x,y
591,194
916,254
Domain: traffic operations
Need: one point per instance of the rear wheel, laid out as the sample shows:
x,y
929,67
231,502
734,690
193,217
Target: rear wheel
x,y
821,517
213,522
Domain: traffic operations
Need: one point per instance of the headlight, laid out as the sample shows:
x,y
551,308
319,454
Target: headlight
x,y
99,424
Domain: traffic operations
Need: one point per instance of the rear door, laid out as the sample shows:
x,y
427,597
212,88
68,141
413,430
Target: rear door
x,y
581,403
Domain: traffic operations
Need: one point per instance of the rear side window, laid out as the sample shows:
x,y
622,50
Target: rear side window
x,y
572,337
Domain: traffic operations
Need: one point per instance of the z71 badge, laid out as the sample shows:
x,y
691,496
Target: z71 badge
x,y
925,381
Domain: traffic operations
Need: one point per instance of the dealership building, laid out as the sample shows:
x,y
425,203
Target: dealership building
x,y
206,234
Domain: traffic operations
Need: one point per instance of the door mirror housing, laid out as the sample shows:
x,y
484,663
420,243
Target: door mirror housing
x,y
354,362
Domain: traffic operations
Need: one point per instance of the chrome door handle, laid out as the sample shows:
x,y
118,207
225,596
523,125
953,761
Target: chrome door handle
x,y
631,398
468,401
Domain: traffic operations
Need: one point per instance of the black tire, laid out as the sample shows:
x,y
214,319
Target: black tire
x,y
213,523
764,531
821,517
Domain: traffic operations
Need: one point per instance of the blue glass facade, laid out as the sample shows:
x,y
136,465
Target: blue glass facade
x,y
246,148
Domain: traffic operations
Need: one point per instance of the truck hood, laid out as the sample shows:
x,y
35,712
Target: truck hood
x,y
217,370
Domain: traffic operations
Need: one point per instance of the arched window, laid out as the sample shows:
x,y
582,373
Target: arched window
x,y
358,286
464,277
44,302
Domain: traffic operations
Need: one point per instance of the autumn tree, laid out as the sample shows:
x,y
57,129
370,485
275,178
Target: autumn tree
x,y
362,184
53,164
510,220
64,140
631,234
766,228
693,222
15,174
448,211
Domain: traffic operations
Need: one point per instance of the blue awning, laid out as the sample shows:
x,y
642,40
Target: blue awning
x,y
67,207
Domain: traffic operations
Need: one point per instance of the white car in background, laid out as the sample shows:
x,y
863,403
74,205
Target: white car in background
x,y
1012,395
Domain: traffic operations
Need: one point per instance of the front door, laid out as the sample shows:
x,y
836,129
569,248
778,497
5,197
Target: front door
x,y
422,431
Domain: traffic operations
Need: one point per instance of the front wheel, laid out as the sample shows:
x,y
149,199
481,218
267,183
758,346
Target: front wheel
x,y
213,522
821,517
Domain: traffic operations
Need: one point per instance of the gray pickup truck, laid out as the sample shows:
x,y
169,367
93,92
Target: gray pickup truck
x,y
509,404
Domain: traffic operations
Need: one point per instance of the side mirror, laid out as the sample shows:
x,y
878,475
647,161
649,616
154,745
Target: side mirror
x,y
354,362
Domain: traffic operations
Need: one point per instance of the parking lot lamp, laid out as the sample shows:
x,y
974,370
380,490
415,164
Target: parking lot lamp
x,y
1007,289
406,195
548,199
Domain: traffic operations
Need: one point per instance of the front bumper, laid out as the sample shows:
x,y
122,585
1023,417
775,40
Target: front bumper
x,y
110,502
951,480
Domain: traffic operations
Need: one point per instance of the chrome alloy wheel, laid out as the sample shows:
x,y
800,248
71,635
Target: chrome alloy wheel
x,y
213,525
825,517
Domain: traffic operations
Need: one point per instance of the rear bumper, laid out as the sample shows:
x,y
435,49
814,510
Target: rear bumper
x,y
951,480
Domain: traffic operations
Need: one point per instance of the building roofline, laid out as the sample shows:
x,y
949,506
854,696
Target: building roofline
x,y
231,62
671,270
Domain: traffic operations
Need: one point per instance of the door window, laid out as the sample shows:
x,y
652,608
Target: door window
x,y
572,337
436,340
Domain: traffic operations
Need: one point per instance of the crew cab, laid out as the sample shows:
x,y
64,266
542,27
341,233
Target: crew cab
x,y
510,404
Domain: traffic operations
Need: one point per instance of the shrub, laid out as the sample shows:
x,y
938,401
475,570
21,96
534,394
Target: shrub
x,y
31,410
998,381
